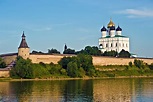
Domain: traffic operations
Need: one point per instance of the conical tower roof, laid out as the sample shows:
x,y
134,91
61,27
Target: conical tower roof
x,y
23,43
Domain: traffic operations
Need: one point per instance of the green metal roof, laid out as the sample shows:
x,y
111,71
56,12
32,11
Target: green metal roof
x,y
116,36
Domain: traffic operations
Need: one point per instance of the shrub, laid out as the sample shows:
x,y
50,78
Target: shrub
x,y
81,72
151,66
63,71
130,64
139,63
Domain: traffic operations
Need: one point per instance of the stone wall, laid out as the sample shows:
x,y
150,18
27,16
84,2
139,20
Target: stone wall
x,y
116,61
45,58
9,59
4,73
96,60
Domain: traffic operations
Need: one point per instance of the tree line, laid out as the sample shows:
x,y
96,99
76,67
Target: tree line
x,y
88,50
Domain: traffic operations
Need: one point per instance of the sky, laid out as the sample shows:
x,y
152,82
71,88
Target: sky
x,y
52,23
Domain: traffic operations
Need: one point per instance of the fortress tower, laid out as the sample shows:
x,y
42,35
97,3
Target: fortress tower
x,y
23,49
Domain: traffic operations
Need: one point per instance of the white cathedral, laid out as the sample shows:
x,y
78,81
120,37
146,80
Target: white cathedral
x,y
112,39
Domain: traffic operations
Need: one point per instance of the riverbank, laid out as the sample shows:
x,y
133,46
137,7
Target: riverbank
x,y
89,78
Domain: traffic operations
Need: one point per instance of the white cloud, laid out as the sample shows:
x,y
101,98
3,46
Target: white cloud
x,y
38,28
43,29
132,13
83,30
61,24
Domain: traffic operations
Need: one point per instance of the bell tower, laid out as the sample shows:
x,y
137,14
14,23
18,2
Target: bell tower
x,y
23,49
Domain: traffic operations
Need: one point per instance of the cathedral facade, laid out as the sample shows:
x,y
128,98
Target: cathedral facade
x,y
112,39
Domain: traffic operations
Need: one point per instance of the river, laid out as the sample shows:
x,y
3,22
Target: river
x,y
93,90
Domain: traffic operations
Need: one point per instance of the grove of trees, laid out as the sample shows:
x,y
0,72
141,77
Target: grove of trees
x,y
77,66
50,51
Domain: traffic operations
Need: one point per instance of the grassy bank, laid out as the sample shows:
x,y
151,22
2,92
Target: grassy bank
x,y
123,71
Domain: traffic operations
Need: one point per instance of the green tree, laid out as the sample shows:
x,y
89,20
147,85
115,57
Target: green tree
x,y
69,51
37,52
2,63
23,68
91,72
72,69
139,63
130,64
39,71
90,51
81,72
51,51
124,54
64,61
55,69
82,62
86,62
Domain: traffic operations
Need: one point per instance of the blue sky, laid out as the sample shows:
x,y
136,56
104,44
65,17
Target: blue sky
x,y
52,23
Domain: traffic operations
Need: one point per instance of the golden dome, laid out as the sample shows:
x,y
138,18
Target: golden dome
x,y
110,24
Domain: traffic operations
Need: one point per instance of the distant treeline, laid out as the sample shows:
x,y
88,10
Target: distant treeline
x,y
88,50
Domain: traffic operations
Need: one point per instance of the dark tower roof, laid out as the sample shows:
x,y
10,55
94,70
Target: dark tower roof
x,y
112,28
103,29
119,29
23,43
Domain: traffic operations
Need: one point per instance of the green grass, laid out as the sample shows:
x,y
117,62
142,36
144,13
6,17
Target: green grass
x,y
122,70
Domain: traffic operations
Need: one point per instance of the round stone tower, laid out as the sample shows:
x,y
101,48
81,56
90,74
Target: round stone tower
x,y
23,49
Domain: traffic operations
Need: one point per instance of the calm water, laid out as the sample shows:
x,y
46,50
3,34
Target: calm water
x,y
100,90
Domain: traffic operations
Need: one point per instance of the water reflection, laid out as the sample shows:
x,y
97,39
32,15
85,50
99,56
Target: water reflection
x,y
113,90
79,90
102,90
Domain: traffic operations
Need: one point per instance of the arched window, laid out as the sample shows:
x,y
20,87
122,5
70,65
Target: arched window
x,y
106,45
116,44
111,45
123,44
101,46
126,45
